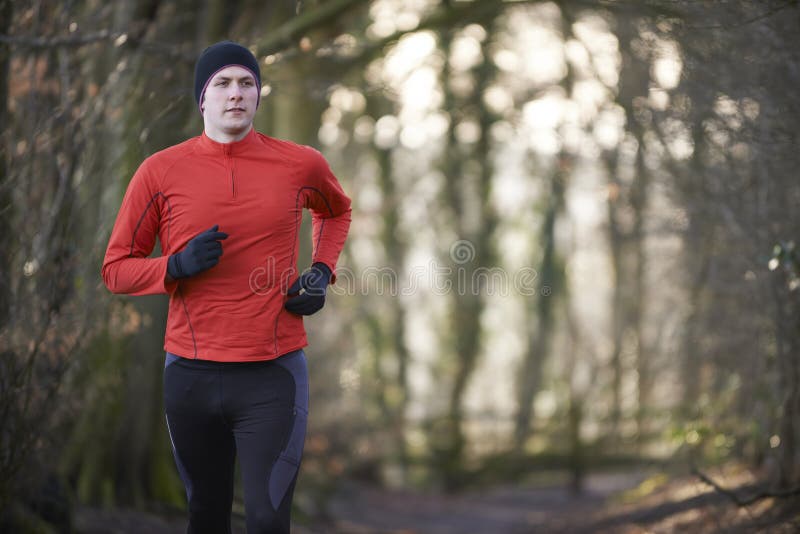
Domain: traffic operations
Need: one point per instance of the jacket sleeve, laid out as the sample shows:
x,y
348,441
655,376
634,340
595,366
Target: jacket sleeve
x,y
127,268
330,213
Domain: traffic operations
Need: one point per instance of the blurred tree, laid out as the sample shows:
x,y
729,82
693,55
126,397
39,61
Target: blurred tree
x,y
627,212
106,465
6,204
468,173
45,312
541,334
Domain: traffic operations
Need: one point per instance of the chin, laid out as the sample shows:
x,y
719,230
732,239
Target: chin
x,y
238,127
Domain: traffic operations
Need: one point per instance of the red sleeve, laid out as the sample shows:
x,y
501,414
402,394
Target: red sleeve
x,y
127,267
330,213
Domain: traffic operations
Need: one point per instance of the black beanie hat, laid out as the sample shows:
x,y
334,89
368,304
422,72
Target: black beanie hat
x,y
218,56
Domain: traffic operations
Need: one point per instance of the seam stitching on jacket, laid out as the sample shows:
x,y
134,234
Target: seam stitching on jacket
x,y
188,320
144,213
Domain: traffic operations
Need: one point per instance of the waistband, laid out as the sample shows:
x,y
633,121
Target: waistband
x,y
194,363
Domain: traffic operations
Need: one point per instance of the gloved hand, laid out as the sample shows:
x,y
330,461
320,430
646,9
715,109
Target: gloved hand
x,y
310,289
201,253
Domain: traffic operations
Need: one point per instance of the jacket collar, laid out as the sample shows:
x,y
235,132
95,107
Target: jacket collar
x,y
206,145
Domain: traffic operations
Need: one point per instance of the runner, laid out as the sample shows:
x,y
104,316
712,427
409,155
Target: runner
x,y
235,376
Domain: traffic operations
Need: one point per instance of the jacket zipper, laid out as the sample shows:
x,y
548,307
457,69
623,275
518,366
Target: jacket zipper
x,y
233,181
229,158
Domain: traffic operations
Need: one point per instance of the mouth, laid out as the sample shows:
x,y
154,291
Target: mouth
x,y
241,110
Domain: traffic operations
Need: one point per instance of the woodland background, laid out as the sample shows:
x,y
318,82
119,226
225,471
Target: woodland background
x,y
573,249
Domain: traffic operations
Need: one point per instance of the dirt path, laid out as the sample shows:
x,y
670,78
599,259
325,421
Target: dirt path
x,y
678,505
660,506
357,509
502,510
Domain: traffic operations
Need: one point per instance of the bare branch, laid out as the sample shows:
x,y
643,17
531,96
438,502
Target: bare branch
x,y
76,41
282,36
60,40
765,15
731,494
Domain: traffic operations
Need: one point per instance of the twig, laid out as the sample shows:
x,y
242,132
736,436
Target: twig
x,y
757,18
282,36
60,40
764,494
79,40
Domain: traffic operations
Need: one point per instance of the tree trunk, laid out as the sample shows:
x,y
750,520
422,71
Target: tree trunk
x,y
477,243
616,249
628,241
6,201
639,192
540,339
396,323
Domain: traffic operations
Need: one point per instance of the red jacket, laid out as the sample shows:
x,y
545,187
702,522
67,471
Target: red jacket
x,y
255,190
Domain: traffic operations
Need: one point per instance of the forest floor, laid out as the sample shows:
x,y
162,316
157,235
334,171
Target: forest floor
x,y
612,502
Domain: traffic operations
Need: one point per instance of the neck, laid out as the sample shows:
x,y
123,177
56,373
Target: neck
x,y
226,137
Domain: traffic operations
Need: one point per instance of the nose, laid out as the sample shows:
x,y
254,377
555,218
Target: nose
x,y
236,92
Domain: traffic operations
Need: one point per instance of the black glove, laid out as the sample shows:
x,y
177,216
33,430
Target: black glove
x,y
310,289
201,253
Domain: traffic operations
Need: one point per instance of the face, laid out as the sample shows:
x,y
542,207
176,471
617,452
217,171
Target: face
x,y
229,104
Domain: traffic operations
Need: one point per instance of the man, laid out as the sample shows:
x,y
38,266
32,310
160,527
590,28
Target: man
x,y
235,378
